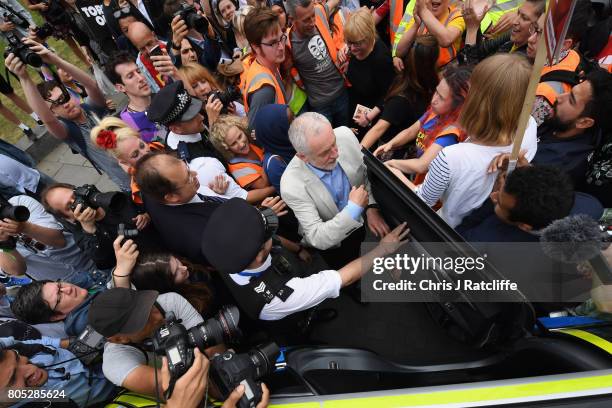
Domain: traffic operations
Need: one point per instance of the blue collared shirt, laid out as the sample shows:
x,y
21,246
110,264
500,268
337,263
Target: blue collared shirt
x,y
338,185
70,376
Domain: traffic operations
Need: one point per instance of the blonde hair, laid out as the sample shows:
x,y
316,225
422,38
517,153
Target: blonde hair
x,y
239,18
193,72
221,127
494,102
360,26
121,129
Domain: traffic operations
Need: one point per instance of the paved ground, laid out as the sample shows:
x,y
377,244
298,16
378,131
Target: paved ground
x,y
55,159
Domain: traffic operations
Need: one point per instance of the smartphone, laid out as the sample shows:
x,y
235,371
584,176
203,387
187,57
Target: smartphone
x,y
156,51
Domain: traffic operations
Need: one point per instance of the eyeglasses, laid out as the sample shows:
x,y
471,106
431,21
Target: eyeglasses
x,y
63,98
534,29
282,40
59,296
125,11
357,44
31,244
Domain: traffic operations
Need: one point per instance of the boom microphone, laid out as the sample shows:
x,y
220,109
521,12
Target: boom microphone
x,y
573,239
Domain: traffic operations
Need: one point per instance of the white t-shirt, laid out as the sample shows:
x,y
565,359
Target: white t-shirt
x,y
208,168
119,360
52,263
307,292
458,175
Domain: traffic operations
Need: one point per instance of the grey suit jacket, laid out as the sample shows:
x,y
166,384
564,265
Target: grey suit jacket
x,y
322,224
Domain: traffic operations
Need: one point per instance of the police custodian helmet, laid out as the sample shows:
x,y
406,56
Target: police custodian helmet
x,y
235,233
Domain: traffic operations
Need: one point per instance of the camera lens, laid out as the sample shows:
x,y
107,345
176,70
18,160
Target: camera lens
x,y
18,213
222,328
30,58
263,358
113,201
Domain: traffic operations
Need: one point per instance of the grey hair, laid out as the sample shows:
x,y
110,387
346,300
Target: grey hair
x,y
291,5
303,127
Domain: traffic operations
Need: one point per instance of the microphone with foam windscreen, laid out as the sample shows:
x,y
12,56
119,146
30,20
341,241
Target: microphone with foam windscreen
x,y
575,239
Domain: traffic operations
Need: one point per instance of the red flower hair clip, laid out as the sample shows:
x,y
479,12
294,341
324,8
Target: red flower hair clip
x,y
107,139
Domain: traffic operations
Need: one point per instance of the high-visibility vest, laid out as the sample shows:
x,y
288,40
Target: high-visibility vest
x,y
403,25
396,12
245,171
499,9
332,43
447,54
551,89
340,19
424,140
256,76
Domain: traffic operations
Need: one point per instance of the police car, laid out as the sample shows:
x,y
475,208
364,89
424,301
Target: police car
x,y
523,361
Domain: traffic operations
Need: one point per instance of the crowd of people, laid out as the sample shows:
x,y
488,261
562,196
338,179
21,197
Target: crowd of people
x,y
234,131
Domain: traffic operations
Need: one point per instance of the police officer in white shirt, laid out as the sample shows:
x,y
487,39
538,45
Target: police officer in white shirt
x,y
237,241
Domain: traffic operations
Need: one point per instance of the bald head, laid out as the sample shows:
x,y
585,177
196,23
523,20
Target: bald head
x,y
141,36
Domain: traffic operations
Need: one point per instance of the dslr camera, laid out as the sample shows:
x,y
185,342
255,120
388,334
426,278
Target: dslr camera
x,y
17,213
192,19
127,232
177,343
88,346
231,94
88,195
15,19
21,51
229,370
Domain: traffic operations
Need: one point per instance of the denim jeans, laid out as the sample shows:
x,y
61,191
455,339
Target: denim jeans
x,y
337,111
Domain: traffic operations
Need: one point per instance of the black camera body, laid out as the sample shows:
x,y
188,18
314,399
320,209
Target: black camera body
x,y
88,195
172,338
192,19
127,232
21,51
88,346
231,94
17,213
229,370
15,19
177,343
44,31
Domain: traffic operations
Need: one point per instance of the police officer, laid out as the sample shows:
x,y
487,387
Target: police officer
x,y
268,285
175,109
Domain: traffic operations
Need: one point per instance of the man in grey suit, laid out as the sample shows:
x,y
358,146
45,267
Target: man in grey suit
x,y
326,186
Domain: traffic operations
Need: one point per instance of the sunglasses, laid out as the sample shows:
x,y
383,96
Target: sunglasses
x,y
31,244
63,98
123,11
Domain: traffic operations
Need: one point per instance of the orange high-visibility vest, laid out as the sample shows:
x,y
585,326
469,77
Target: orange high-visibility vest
x,y
245,171
333,43
396,12
551,89
254,77
447,54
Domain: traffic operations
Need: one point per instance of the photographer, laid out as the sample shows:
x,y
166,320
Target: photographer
x,y
45,365
127,318
50,253
14,19
188,24
62,117
95,229
46,301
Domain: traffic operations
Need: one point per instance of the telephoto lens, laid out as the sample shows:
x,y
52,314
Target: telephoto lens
x,y
223,328
17,213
